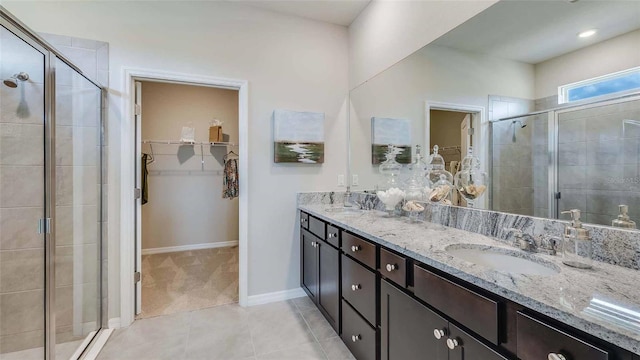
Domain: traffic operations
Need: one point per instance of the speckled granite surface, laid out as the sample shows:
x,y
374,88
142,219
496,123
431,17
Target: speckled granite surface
x,y
614,246
571,296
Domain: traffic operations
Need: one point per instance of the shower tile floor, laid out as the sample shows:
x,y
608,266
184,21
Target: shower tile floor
x,y
63,351
293,329
188,280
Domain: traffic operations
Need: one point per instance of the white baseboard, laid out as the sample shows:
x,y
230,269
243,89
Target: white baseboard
x,y
275,296
114,323
189,247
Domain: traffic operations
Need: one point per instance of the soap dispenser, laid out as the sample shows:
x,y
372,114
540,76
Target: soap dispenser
x,y
623,220
576,243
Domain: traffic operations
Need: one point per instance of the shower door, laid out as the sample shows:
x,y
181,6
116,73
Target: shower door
x,y
23,164
51,179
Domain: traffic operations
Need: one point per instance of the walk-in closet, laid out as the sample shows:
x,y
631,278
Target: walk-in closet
x,y
188,190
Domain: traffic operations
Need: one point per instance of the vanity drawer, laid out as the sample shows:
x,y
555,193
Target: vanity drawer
x,y
393,267
359,249
536,340
333,235
471,309
304,220
316,227
359,336
359,288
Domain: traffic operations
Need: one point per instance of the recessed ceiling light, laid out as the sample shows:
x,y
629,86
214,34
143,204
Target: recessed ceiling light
x,y
588,33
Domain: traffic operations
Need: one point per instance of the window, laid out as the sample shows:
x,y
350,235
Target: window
x,y
616,83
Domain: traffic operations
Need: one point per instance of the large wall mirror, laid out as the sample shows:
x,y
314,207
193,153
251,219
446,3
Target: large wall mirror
x,y
546,92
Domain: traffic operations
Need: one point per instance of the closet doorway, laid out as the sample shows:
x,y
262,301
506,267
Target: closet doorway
x,y
188,209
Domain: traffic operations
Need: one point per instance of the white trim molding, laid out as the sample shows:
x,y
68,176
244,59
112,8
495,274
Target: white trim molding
x,y
480,136
127,200
98,344
168,249
276,296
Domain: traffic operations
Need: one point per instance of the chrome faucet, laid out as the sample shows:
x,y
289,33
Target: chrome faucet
x,y
522,240
548,244
347,197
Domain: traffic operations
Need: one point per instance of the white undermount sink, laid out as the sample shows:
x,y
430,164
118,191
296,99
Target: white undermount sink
x,y
503,260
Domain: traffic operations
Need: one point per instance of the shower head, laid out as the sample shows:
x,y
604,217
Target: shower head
x,y
12,82
521,123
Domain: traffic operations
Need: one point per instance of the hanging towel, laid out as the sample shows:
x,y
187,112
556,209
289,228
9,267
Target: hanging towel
x,y
143,178
230,180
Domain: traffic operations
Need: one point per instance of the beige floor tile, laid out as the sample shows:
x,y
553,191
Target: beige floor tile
x,y
319,325
277,328
167,349
335,349
310,351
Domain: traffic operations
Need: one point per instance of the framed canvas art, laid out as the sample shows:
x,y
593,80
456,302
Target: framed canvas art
x,y
385,132
298,137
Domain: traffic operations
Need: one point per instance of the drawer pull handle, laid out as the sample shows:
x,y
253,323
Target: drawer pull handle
x,y
302,220
333,235
392,267
439,333
314,244
356,287
554,356
355,338
355,248
453,343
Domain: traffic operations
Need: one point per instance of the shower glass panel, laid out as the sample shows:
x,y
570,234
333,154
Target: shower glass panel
x,y
598,162
519,155
22,198
77,209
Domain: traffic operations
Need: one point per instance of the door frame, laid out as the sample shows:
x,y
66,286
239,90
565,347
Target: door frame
x,y
480,137
128,237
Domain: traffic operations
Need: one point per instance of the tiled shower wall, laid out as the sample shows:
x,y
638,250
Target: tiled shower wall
x,y
77,186
598,163
511,169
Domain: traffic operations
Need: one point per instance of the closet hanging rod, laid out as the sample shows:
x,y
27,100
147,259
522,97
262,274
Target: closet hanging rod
x,y
177,142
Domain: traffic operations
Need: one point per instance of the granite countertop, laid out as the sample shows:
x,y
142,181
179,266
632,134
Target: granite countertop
x,y
569,296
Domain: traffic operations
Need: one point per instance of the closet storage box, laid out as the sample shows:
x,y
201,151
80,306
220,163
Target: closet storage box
x,y
215,134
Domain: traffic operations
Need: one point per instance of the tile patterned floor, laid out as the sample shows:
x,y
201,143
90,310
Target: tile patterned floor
x,y
188,280
63,351
293,329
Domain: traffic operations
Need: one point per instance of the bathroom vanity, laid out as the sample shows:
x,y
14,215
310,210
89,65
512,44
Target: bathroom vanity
x,y
399,290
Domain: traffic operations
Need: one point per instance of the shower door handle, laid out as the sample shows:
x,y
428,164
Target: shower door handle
x,y
44,226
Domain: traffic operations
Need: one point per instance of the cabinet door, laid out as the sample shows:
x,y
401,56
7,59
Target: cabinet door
x,y
329,283
408,328
466,347
309,264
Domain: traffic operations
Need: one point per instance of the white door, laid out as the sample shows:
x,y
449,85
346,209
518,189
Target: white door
x,y
138,245
466,129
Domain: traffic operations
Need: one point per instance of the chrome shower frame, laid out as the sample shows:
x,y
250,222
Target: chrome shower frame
x,y
50,54
552,137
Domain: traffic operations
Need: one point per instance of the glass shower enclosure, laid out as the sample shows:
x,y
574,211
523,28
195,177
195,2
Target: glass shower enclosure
x,y
584,156
51,200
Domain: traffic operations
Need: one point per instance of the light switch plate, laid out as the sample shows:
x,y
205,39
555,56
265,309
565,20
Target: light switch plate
x,y
340,180
355,181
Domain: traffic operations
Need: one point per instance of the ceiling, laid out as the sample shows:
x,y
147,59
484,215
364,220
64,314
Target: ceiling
x,y
535,31
340,12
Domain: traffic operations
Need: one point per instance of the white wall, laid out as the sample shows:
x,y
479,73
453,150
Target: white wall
x,y
387,31
619,53
185,204
434,74
290,63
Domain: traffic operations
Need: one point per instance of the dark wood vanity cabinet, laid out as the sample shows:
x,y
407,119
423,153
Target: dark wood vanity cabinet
x,y
386,306
408,328
320,275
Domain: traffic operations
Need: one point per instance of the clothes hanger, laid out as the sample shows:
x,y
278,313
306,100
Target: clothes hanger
x,y
150,157
232,153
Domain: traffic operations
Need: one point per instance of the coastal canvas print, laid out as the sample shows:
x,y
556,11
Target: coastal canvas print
x,y
299,137
385,131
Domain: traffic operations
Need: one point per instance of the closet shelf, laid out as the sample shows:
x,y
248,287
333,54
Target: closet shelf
x,y
176,142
